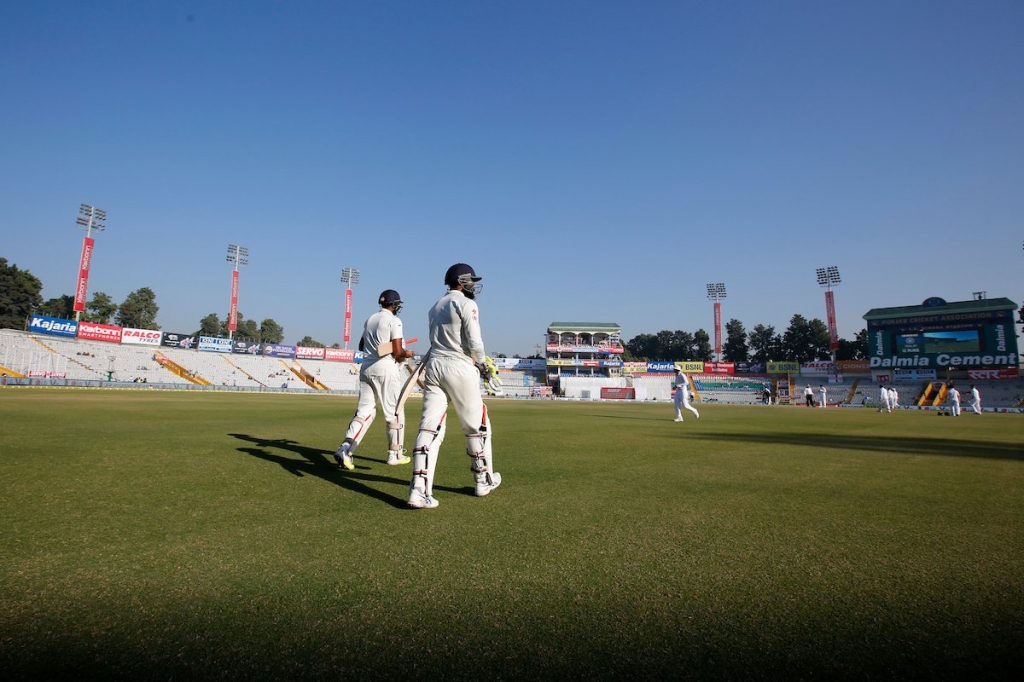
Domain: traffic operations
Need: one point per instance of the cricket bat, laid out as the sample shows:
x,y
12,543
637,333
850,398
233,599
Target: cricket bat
x,y
415,373
385,346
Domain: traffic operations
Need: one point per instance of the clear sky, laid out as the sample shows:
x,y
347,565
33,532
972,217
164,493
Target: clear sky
x,y
594,161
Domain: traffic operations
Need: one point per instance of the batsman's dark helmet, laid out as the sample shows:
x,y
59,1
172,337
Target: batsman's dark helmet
x,y
390,297
463,275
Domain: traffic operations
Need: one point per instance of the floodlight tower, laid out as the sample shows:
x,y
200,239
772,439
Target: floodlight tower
x,y
828,277
89,218
349,277
716,292
237,256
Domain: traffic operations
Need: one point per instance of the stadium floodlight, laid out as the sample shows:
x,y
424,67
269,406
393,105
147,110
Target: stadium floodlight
x,y
716,292
237,255
89,218
828,276
349,277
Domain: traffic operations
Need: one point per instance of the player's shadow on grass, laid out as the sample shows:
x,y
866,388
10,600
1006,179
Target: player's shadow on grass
x,y
936,447
318,462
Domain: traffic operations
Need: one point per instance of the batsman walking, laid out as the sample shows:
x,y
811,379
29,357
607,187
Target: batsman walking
x,y
453,367
380,381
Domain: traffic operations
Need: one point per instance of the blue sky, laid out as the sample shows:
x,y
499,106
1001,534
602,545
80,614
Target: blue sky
x,y
594,161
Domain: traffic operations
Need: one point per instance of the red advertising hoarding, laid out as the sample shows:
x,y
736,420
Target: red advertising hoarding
x,y
348,315
233,312
82,288
91,331
720,367
339,355
830,313
718,329
618,393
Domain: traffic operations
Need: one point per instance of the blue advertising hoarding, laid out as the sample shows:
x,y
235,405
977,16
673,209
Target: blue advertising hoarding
x,y
40,324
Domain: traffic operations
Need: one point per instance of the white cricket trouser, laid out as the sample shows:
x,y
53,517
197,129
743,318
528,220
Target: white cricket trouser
x,y
955,408
378,383
683,404
456,380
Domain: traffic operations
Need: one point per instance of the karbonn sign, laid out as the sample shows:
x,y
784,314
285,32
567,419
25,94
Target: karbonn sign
x,y
99,332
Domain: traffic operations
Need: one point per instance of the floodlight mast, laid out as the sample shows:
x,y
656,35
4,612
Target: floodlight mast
x,y
716,292
237,256
829,277
349,277
89,218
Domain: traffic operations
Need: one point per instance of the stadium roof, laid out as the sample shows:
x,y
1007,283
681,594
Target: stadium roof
x,y
937,306
584,327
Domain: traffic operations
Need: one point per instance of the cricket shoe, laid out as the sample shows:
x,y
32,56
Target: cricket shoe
x,y
419,500
343,456
486,487
396,457
678,419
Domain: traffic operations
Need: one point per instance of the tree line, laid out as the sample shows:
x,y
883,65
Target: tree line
x,y
803,341
21,298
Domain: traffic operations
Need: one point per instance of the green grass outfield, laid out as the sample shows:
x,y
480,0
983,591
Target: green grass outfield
x,y
180,535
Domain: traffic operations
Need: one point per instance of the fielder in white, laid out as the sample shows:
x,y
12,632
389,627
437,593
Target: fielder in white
x,y
380,381
883,399
975,400
894,398
682,397
953,396
454,365
822,394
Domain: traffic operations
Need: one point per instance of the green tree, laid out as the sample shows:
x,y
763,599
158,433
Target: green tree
x,y
138,310
19,296
677,345
797,344
62,306
765,344
817,331
209,326
854,350
310,342
643,346
101,309
271,331
702,346
735,347
244,329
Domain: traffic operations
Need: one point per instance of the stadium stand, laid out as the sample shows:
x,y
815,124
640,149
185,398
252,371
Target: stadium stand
x,y
59,360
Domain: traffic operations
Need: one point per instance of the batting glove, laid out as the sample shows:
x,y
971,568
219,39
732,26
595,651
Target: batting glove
x,y
489,373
